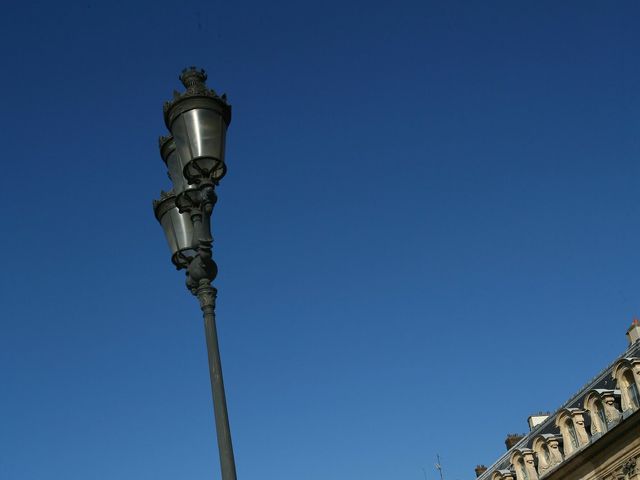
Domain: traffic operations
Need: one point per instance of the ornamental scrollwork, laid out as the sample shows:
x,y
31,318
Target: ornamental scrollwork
x,y
629,467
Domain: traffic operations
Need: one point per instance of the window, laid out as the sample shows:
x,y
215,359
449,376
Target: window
x,y
627,383
601,416
573,436
632,390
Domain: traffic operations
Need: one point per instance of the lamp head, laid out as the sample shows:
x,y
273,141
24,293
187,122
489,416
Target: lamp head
x,y
198,119
174,164
178,229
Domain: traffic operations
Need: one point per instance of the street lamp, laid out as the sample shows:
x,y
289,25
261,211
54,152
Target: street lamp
x,y
193,152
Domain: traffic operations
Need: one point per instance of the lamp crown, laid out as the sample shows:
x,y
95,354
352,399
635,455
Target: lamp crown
x,y
163,196
194,80
196,95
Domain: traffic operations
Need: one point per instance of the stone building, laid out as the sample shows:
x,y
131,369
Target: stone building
x,y
594,435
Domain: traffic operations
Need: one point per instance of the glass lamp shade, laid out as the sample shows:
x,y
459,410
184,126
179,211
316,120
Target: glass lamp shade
x,y
200,139
198,120
178,229
174,165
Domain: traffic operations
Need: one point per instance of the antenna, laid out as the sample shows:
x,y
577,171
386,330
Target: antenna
x,y
425,473
439,466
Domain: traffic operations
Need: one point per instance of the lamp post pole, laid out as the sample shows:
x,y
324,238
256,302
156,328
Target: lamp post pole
x,y
194,154
207,296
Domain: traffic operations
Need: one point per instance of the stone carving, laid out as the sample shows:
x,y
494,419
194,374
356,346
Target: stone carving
x,y
581,431
629,467
503,475
529,465
626,471
612,414
554,451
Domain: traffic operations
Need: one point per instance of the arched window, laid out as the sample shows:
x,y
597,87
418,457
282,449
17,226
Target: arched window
x,y
546,448
631,389
523,463
627,382
571,423
573,436
602,417
593,403
502,475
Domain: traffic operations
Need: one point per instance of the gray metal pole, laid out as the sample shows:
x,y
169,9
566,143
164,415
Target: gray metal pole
x,y
207,296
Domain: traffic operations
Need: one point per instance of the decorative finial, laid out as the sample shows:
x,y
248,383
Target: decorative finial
x,y
163,196
194,80
196,89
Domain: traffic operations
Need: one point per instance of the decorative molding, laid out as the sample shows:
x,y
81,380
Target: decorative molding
x,y
611,412
207,296
168,197
194,80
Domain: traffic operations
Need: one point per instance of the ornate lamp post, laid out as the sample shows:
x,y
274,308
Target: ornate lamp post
x,y
197,120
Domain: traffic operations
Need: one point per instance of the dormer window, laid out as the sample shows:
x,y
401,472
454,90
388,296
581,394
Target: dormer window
x,y
502,475
631,389
624,374
594,403
547,449
573,436
523,463
602,417
570,421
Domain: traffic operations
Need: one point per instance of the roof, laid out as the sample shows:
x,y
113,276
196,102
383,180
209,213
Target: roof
x,y
603,381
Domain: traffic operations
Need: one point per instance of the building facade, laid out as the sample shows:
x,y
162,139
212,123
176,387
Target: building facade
x,y
594,435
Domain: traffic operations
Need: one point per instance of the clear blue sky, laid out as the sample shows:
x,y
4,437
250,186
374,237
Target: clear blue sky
x,y
429,230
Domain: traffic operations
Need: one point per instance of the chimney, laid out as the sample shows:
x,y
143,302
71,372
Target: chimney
x,y
480,469
633,334
537,419
512,439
